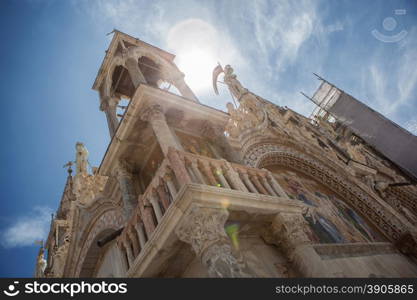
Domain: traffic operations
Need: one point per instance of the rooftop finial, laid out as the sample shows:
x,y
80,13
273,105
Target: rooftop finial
x,y
69,165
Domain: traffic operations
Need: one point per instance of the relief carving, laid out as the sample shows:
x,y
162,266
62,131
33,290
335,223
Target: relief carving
x,y
203,229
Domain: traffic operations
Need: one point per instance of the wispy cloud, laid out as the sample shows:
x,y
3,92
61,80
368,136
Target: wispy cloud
x,y
274,47
26,229
407,71
280,30
129,16
390,84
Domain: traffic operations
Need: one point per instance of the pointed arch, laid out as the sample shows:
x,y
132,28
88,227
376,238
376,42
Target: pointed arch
x,y
375,210
105,222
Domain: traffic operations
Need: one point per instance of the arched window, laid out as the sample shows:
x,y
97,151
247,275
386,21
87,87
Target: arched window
x,y
121,83
150,71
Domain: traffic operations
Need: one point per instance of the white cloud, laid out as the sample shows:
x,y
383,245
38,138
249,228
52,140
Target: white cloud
x,y
407,72
282,27
338,26
390,84
377,86
26,229
130,16
265,41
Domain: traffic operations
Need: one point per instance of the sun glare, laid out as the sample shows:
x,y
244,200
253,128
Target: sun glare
x,y
198,47
197,65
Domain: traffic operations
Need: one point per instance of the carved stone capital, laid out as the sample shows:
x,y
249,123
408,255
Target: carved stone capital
x,y
169,175
104,104
207,130
221,263
203,227
153,112
108,102
122,169
289,231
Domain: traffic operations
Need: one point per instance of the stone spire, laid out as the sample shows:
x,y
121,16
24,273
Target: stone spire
x,y
81,158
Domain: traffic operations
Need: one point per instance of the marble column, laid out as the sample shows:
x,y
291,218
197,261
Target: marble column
x,y
135,73
265,182
141,234
254,178
184,89
233,177
223,181
155,116
290,231
203,229
163,194
123,254
248,182
130,257
155,204
278,189
109,105
196,170
125,179
168,178
146,211
134,241
178,167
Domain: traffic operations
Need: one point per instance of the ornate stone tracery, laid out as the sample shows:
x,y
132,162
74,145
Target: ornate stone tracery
x,y
203,229
375,210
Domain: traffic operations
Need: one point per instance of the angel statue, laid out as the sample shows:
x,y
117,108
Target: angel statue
x,y
230,80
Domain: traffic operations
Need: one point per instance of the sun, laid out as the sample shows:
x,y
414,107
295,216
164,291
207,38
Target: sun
x,y
197,65
197,47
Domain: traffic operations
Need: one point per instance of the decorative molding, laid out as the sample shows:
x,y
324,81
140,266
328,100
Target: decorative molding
x,y
376,210
203,229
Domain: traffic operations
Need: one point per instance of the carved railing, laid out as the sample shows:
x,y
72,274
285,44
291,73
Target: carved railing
x,y
221,173
152,205
180,168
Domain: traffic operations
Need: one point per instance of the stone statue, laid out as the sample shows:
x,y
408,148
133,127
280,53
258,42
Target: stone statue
x,y
40,264
81,159
234,85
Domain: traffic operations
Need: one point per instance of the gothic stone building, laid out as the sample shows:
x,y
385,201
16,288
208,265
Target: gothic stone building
x,y
186,190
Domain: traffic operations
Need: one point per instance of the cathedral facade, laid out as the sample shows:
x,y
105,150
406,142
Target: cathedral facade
x,y
186,190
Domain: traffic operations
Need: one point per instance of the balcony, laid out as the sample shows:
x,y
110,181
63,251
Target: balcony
x,y
183,180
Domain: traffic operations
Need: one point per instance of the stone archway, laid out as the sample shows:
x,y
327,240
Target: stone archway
x,y
93,254
168,71
107,222
373,209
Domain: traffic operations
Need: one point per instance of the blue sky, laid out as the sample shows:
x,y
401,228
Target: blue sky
x,y
51,51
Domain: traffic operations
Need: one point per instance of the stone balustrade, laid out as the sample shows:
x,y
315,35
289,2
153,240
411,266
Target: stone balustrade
x,y
221,173
150,209
178,169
